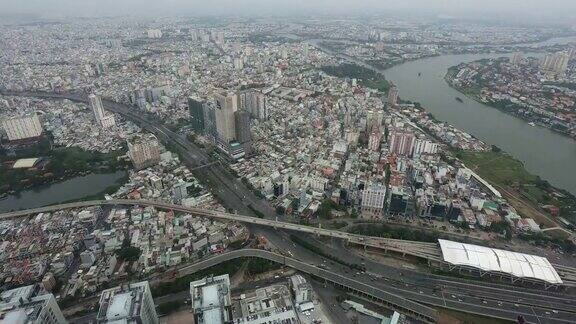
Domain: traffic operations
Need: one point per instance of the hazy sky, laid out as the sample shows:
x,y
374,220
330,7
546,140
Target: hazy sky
x,y
517,9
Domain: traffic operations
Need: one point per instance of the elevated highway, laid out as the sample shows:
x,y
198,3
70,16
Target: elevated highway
x,y
419,249
423,250
475,297
404,298
356,287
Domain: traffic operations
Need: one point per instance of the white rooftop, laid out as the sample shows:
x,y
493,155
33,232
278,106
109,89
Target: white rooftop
x,y
15,317
13,295
119,307
213,316
494,260
210,296
25,163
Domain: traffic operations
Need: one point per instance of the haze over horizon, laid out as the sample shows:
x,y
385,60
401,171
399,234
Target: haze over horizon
x,y
516,10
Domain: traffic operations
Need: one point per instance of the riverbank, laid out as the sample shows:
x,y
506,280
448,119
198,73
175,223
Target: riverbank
x,y
542,152
365,77
65,174
505,106
108,190
59,164
550,155
87,187
336,46
527,193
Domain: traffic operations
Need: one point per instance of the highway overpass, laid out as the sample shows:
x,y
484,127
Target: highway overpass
x,y
234,194
356,287
420,249
424,250
405,299
468,296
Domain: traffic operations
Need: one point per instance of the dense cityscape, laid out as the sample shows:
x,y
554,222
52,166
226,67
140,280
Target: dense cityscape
x,y
538,90
278,170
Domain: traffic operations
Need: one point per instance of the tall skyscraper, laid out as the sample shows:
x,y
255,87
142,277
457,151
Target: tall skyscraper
x,y
99,68
374,120
129,303
102,118
302,290
392,95
23,127
402,143
194,35
218,37
231,111
373,198
205,37
424,146
305,50
210,299
255,103
97,107
154,33
209,113
561,64
243,135
26,305
259,108
144,151
516,58
572,52
374,140
284,53
238,63
555,64
180,192
226,104
399,201
196,109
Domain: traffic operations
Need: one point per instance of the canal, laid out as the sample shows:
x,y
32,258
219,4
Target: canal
x,y
71,189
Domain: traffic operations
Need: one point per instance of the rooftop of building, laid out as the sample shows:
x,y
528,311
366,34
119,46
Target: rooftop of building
x,y
210,296
122,303
13,295
268,304
22,305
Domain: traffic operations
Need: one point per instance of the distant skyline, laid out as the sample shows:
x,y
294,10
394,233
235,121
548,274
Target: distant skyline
x,y
516,10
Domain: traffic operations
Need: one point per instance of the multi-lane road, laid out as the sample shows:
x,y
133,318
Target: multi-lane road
x,y
356,285
467,296
397,292
424,250
430,289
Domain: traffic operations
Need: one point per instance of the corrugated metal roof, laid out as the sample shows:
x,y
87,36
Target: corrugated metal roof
x,y
213,316
25,163
494,260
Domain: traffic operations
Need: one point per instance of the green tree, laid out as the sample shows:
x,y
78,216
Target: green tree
x,y
295,203
280,210
325,209
258,266
169,307
129,253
